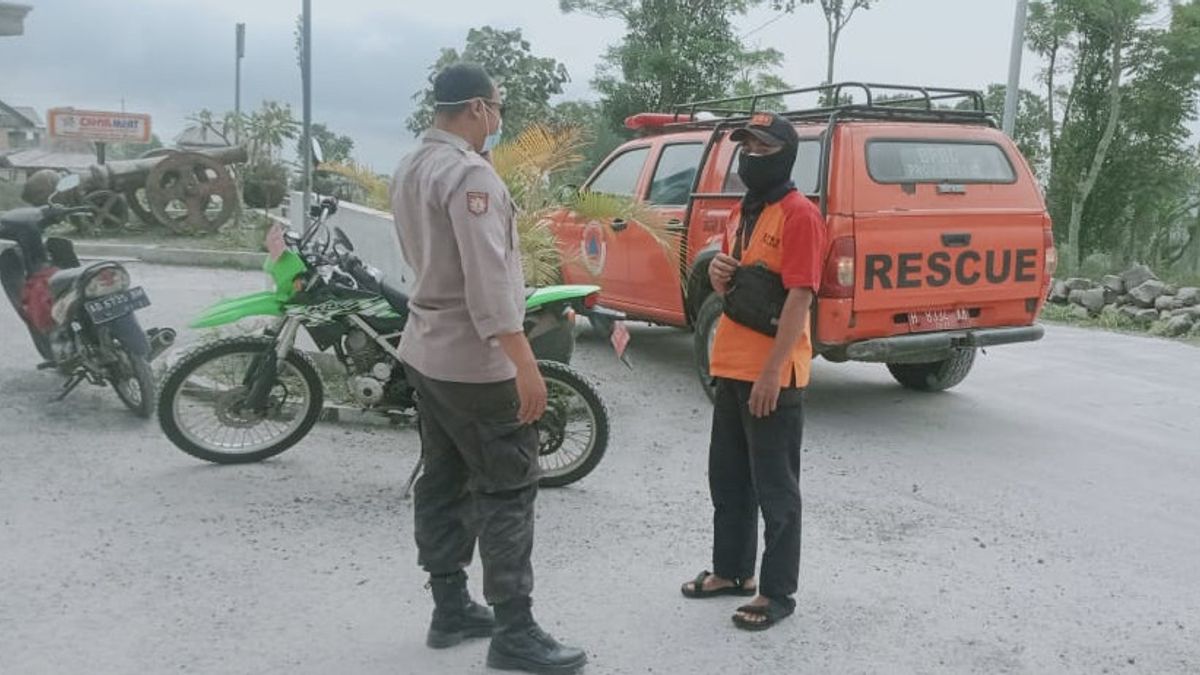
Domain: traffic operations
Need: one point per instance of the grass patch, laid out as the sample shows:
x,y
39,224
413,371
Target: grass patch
x,y
1117,323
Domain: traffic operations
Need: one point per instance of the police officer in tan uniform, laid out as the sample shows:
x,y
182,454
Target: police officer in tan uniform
x,y
478,383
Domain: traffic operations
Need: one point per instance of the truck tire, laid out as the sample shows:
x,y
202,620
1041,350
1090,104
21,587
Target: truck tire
x,y
937,375
705,328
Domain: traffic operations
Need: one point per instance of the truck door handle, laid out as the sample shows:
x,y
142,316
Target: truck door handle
x,y
956,239
618,225
675,225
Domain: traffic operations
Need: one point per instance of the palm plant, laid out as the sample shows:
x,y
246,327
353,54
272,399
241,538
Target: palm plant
x,y
529,165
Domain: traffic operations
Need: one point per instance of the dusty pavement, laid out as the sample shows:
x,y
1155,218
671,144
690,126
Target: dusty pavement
x,y
1044,517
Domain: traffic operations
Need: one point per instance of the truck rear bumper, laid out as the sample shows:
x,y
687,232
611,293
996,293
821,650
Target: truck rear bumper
x,y
933,346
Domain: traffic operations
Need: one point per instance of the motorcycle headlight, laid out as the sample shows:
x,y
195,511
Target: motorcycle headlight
x,y
106,282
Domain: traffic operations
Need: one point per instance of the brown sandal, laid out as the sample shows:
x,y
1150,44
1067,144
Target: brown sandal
x,y
697,590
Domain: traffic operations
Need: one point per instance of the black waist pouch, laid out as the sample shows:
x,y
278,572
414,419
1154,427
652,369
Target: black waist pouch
x,y
755,299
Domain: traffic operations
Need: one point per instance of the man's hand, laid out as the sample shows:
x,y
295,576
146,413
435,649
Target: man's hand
x,y
531,390
720,272
764,395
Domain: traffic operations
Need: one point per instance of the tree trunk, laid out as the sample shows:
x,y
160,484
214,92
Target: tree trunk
x,y
830,54
1084,190
1050,126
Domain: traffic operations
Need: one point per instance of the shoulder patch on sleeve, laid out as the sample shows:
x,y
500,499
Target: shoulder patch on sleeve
x,y
477,203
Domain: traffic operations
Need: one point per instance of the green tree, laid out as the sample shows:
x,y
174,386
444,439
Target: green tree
x,y
1117,126
268,128
838,14
674,51
338,149
528,81
1029,130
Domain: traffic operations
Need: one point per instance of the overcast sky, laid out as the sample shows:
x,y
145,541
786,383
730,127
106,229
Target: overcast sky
x,y
169,58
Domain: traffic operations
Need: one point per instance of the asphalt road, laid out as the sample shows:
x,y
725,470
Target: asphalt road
x,y
1043,517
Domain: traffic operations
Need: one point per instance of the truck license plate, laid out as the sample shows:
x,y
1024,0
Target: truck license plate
x,y
116,305
938,319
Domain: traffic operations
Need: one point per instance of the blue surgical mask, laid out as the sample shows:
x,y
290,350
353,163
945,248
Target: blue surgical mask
x,y
493,139
490,141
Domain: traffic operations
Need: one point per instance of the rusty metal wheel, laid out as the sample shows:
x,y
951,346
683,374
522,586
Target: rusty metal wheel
x,y
139,204
190,192
110,213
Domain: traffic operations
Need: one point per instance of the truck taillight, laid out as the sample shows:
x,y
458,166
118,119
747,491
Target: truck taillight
x,y
838,281
1051,254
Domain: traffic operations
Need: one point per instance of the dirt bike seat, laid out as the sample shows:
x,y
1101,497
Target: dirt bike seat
x,y
395,297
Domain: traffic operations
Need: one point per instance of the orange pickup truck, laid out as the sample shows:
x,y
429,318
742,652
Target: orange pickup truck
x,y
940,242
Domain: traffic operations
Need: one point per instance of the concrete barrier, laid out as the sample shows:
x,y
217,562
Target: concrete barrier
x,y
373,234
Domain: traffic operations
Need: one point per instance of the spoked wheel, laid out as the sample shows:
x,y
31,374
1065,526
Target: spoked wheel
x,y
133,380
203,407
573,433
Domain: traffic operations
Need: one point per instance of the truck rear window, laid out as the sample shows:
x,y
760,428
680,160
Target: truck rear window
x,y
921,161
805,172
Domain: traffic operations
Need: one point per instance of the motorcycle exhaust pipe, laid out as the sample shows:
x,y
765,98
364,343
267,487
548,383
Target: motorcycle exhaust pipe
x,y
161,340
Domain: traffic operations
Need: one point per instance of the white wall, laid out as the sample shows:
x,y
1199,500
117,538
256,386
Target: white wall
x,y
373,234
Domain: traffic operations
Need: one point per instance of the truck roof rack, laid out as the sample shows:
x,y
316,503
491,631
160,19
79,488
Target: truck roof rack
x,y
892,102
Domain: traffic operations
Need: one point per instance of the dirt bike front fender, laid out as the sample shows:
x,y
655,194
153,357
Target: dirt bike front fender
x,y
266,303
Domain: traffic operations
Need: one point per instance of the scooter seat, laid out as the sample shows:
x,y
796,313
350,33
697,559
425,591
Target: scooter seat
x,y
62,281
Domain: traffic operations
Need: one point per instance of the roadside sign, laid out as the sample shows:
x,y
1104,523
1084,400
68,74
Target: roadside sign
x,y
103,127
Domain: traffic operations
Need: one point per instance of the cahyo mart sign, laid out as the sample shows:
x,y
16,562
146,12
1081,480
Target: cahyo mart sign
x,y
91,125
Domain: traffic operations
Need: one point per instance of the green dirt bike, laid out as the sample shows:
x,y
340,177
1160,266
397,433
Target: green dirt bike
x,y
244,399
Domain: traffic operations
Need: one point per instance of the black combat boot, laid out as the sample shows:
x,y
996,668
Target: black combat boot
x,y
519,644
455,616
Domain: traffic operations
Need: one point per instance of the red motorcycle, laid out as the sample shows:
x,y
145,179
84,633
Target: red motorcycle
x,y
81,318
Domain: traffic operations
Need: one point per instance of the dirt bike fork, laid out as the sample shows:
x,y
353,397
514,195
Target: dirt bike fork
x,y
264,370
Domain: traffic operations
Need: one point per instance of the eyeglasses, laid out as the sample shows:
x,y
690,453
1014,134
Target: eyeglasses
x,y
496,105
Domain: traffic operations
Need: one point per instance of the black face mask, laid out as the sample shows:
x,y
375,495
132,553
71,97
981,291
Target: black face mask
x,y
762,173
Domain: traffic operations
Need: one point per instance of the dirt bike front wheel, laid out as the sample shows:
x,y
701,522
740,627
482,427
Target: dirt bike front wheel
x,y
203,405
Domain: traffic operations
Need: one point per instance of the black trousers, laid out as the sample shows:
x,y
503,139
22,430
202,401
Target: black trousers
x,y
753,464
479,484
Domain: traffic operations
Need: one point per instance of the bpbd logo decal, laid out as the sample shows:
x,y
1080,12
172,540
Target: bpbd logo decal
x,y
594,248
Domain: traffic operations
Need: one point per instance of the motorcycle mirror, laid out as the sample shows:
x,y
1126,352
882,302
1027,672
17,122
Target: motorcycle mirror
x,y
317,153
67,183
341,238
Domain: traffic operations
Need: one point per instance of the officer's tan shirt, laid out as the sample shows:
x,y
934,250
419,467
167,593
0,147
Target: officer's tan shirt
x,y
457,227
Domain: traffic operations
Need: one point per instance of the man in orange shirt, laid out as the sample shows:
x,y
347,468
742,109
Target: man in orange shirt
x,y
761,373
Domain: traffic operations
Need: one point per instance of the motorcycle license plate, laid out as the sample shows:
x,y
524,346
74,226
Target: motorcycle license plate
x,y
939,319
116,305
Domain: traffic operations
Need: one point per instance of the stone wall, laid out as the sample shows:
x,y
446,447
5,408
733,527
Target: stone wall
x,y
1136,295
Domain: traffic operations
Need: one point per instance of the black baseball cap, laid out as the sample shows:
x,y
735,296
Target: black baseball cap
x,y
769,128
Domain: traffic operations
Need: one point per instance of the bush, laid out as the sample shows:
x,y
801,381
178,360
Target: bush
x,y
266,185
1097,265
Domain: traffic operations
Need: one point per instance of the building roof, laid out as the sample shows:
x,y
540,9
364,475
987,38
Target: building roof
x,y
18,117
43,158
29,114
12,18
197,136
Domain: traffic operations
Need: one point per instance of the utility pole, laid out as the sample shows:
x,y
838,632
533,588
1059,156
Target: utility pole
x,y
1012,93
239,54
306,81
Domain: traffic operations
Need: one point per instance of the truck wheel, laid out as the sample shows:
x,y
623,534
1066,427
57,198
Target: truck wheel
x,y
937,375
705,330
